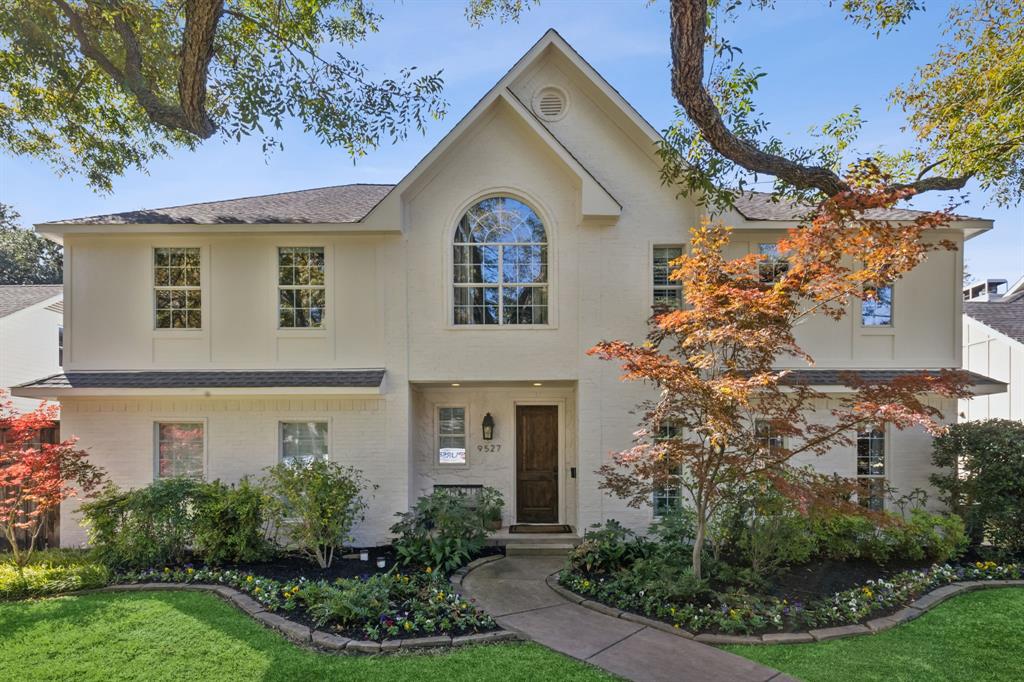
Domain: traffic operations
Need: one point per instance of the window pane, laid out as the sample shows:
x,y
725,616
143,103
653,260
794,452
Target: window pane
x,y
774,266
180,450
301,293
500,241
662,256
451,438
177,278
303,441
877,311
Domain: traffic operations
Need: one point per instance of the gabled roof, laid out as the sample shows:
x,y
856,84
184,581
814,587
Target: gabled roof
x,y
378,207
1006,316
15,297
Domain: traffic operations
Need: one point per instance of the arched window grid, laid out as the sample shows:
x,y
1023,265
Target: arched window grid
x,y
500,265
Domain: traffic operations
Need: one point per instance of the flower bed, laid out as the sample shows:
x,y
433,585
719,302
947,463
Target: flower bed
x,y
741,613
382,606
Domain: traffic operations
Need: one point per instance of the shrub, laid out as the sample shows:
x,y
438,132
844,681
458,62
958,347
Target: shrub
x,y
230,523
607,549
925,536
49,572
768,531
316,504
983,481
349,602
143,527
444,530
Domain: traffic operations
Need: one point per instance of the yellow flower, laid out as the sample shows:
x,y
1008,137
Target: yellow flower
x,y
191,571
429,569
408,625
166,570
249,579
676,626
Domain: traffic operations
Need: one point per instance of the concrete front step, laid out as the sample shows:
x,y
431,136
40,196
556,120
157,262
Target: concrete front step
x,y
538,549
506,539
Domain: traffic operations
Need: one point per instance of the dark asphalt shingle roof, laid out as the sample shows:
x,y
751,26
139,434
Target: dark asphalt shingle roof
x,y
834,377
324,205
1006,317
335,378
15,297
759,206
351,203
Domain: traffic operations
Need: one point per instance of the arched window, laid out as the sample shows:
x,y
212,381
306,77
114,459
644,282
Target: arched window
x,y
500,261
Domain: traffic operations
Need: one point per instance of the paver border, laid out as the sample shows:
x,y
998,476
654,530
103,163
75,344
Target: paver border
x,y
924,603
305,636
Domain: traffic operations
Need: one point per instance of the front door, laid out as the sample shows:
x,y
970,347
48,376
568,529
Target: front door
x,y
536,464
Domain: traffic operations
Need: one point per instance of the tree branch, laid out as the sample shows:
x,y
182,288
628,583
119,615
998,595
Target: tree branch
x,y
201,17
689,32
189,113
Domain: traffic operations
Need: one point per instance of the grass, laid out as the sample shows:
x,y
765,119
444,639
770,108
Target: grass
x,y
196,636
49,572
978,636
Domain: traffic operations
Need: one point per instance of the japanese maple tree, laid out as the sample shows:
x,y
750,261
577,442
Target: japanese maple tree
x,y
715,360
36,477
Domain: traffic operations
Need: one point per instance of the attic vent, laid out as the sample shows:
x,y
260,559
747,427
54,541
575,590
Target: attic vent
x,y
550,103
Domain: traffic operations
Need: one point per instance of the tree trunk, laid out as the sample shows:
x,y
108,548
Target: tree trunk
x,y
698,541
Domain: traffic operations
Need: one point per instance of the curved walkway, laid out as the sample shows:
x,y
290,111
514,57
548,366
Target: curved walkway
x,y
514,591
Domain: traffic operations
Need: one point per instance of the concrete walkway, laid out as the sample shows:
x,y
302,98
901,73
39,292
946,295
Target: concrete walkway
x,y
514,592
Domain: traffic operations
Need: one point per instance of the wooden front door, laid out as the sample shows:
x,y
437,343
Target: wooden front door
x,y
536,464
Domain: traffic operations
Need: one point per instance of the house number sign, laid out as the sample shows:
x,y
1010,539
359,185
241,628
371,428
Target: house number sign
x,y
489,447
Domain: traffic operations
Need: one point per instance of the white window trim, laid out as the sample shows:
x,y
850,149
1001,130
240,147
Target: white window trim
x,y
679,492
435,454
191,332
328,287
180,420
305,420
449,261
886,440
650,273
878,328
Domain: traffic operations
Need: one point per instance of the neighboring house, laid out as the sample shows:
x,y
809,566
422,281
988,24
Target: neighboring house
x,y
994,346
31,332
435,332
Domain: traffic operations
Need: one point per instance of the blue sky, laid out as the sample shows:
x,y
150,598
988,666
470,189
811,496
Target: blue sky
x,y
817,66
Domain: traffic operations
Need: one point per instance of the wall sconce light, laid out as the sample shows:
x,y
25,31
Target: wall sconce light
x,y
488,426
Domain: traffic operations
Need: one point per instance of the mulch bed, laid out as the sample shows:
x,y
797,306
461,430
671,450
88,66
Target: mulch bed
x,y
821,579
293,566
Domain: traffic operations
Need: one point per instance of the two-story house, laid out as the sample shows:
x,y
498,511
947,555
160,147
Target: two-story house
x,y
994,346
435,332
31,336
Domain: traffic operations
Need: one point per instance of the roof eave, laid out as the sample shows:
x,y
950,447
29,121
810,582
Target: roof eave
x,y
58,231
57,393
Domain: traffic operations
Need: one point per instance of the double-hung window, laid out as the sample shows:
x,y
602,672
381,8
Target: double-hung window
x,y
178,301
773,266
303,442
301,287
876,308
451,435
768,438
667,498
180,449
871,468
667,293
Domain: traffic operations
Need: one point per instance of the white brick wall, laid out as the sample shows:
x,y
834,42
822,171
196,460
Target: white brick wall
x,y
242,439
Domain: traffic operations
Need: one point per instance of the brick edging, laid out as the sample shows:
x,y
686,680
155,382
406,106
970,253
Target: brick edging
x,y
304,635
922,604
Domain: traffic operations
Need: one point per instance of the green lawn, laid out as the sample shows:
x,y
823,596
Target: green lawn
x,y
976,637
195,636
